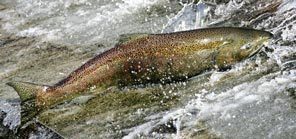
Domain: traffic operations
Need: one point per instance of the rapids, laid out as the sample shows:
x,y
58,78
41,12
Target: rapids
x,y
43,41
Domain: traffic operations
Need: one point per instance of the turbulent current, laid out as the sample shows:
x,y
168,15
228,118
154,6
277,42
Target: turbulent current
x,y
43,41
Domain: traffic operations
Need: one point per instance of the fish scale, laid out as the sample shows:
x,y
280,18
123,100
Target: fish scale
x,y
147,58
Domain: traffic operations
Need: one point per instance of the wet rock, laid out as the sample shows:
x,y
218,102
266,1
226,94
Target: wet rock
x,y
292,95
168,127
220,1
292,92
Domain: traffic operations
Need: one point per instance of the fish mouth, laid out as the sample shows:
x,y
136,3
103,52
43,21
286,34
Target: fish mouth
x,y
256,51
259,48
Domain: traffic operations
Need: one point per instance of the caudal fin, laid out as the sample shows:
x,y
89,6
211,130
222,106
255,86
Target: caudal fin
x,y
27,93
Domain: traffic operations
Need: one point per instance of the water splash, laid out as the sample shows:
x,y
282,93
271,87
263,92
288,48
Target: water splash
x,y
192,16
262,106
12,119
78,21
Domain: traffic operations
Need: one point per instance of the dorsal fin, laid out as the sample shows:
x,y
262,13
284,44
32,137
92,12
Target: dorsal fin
x,y
125,38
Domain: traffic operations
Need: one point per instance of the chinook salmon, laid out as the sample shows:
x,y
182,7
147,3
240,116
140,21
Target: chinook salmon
x,y
147,58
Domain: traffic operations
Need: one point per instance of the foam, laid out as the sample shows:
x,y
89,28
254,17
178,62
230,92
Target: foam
x,y
251,105
12,118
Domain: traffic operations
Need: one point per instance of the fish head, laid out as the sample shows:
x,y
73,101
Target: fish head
x,y
241,46
253,44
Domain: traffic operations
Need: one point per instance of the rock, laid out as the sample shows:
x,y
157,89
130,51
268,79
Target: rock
x,y
292,92
168,127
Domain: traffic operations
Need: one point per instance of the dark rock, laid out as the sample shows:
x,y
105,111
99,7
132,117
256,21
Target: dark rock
x,y
292,92
168,127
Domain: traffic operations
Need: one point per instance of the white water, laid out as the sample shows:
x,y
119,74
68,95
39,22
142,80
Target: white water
x,y
258,109
80,21
12,119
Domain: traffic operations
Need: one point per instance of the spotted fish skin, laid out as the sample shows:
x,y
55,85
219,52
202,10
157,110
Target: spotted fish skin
x,y
156,58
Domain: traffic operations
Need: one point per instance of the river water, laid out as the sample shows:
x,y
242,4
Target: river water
x,y
43,41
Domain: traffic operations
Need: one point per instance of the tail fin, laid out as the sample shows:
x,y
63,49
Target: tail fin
x,y
27,93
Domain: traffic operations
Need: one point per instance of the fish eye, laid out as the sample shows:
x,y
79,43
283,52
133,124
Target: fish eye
x,y
246,46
